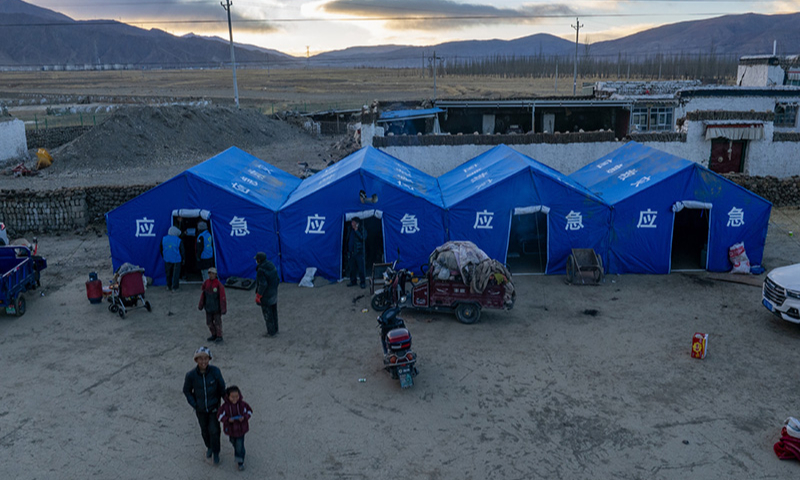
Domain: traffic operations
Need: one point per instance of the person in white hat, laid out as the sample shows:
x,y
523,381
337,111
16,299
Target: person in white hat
x,y
204,388
204,249
173,254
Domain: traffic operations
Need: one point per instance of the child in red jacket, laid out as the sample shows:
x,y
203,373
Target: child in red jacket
x,y
212,299
234,415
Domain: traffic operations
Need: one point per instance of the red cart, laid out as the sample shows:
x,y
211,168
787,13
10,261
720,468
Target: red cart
x,y
433,294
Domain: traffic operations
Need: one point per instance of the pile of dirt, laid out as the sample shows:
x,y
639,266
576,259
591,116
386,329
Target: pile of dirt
x,y
150,144
159,135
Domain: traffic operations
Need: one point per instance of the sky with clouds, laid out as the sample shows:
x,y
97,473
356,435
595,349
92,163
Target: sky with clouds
x,y
297,26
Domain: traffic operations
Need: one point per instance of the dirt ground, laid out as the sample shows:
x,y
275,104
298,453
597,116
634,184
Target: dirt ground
x,y
150,144
278,89
574,383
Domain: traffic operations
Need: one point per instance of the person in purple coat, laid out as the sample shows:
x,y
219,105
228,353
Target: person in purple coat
x,y
234,415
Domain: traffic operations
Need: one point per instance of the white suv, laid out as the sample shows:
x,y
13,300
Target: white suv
x,y
781,292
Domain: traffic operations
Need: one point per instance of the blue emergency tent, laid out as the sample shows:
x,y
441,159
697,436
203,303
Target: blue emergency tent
x,y
483,195
407,201
238,193
649,188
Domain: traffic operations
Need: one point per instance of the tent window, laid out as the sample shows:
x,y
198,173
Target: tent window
x,y
690,239
527,243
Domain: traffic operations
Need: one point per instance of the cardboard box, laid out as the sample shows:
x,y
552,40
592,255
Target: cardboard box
x,y
699,345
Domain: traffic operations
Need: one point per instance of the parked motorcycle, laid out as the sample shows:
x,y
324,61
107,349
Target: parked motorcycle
x,y
398,358
394,288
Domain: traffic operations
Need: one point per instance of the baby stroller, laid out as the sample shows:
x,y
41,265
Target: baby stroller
x,y
128,290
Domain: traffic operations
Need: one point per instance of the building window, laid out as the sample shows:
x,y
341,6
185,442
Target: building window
x,y
639,118
652,119
660,119
785,115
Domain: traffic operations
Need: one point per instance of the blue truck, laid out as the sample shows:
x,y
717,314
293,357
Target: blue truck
x,y
20,268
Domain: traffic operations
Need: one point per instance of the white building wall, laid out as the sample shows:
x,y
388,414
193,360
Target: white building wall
x,y
780,159
729,104
759,75
751,75
13,143
762,157
566,158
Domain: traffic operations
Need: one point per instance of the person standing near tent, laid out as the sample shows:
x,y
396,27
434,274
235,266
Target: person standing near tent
x,y
204,250
172,253
204,388
267,292
356,251
212,299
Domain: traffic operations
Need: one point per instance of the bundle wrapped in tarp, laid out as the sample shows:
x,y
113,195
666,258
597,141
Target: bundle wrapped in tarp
x,y
454,259
464,261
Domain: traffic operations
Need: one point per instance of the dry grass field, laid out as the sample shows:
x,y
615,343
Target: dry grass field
x,y
268,90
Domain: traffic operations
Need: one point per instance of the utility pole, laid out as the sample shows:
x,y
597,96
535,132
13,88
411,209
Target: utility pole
x,y
577,28
227,6
307,57
555,87
434,58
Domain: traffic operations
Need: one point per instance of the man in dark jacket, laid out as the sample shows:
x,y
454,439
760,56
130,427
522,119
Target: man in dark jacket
x,y
356,252
267,292
204,387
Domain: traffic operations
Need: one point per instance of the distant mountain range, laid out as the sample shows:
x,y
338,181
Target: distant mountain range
x,y
33,37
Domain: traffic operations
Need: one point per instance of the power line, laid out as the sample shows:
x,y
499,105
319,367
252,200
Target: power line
x,y
412,57
322,63
104,3
355,19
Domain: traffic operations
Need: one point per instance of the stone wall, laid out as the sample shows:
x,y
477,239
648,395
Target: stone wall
x,y
781,192
63,209
711,115
54,137
786,137
66,209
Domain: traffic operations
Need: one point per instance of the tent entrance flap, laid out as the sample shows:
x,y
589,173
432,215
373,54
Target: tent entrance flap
x,y
372,222
690,239
187,220
527,240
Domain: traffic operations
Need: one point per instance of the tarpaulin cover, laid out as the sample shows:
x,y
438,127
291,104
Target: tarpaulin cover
x,y
481,197
392,115
643,184
242,193
312,220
